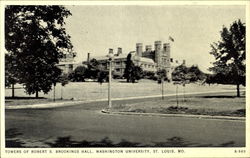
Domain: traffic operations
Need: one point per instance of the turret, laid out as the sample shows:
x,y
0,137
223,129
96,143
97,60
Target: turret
x,y
139,49
119,51
158,52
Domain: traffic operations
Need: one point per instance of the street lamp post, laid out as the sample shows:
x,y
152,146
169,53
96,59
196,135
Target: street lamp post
x,y
162,88
109,84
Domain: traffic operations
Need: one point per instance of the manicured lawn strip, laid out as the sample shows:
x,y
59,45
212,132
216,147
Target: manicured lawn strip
x,y
120,89
222,104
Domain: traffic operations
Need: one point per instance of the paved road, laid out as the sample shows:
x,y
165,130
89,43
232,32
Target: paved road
x,y
85,122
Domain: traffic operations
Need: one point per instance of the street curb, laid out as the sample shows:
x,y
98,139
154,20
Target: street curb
x,y
47,105
176,115
72,103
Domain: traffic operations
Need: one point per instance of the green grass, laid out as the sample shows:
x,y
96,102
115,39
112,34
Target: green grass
x,y
94,90
223,104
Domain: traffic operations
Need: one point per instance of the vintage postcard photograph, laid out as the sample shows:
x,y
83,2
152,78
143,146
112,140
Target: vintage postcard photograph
x,y
124,79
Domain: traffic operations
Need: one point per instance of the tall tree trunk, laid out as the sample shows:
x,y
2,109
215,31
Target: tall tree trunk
x,y
238,90
162,88
61,92
36,94
177,100
54,96
13,90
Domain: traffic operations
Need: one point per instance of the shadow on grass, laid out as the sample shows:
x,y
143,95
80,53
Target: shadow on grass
x,y
240,112
106,142
127,82
67,142
24,98
221,96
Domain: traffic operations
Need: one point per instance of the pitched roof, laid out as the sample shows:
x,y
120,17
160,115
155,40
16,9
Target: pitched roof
x,y
148,60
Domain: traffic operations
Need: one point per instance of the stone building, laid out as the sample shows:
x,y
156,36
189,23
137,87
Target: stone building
x,y
148,59
119,61
160,55
67,63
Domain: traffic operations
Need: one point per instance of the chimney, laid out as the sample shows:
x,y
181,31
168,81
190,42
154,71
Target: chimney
x,y
148,48
119,51
139,49
110,51
88,58
184,62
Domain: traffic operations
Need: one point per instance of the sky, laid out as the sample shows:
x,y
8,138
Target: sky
x,y
95,29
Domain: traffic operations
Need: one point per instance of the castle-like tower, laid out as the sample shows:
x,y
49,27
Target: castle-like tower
x,y
160,55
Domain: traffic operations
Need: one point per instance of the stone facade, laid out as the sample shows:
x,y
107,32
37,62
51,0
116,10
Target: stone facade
x,y
67,63
148,60
160,55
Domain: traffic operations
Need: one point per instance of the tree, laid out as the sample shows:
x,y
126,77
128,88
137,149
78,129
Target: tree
x,y
194,74
149,75
36,37
10,73
180,74
180,77
230,55
162,75
78,75
136,73
102,75
63,80
129,68
93,68
132,72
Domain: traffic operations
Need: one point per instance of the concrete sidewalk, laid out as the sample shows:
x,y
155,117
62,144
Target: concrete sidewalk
x,y
72,103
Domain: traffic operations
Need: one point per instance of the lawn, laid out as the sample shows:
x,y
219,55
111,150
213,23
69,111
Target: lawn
x,y
86,91
221,104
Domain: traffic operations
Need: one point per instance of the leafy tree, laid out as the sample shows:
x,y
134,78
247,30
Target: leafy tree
x,y
36,36
195,74
129,68
162,75
136,73
230,55
78,75
180,74
10,73
180,77
64,81
93,68
149,75
132,72
102,75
